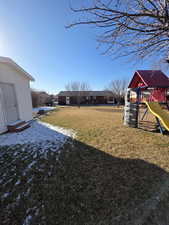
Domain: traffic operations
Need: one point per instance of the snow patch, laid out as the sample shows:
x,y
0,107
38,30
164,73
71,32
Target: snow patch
x,y
18,182
5,195
27,220
31,164
45,108
41,135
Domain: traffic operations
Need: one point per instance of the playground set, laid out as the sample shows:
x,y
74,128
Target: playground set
x,y
148,88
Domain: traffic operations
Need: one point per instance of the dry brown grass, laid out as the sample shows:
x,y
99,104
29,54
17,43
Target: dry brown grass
x,y
102,128
110,174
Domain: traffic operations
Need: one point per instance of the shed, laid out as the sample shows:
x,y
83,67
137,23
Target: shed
x,y
15,95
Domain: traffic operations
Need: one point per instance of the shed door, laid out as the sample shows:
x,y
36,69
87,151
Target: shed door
x,y
3,126
10,103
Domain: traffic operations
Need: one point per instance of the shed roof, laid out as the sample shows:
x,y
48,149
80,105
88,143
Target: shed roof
x,y
85,93
10,62
150,78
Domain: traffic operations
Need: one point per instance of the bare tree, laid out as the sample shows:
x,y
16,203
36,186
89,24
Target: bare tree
x,y
80,88
135,27
118,87
77,86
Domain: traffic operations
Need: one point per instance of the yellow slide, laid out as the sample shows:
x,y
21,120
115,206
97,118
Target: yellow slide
x,y
157,111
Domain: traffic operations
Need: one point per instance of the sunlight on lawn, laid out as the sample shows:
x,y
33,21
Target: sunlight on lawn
x,y
102,128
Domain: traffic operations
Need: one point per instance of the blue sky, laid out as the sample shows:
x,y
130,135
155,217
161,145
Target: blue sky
x,y
32,32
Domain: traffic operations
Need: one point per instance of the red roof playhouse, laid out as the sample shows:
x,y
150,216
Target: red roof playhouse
x,y
150,87
154,80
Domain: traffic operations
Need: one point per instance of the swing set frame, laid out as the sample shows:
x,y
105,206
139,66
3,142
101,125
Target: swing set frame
x,y
140,100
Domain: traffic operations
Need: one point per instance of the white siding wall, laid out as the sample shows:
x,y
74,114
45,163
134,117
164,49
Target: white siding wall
x,y
8,74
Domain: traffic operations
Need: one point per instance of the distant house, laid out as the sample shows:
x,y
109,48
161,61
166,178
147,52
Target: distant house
x,y
15,97
43,98
40,98
85,97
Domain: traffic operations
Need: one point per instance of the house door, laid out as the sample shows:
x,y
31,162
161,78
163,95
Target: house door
x,y
10,103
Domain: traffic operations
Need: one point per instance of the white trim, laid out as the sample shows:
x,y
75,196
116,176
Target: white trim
x,y
12,63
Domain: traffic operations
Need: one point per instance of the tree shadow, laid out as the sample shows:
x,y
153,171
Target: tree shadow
x,y
77,185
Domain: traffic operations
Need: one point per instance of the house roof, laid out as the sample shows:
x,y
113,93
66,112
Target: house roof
x,y
85,93
149,78
10,62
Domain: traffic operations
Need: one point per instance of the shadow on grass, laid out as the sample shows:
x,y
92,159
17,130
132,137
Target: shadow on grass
x,y
79,185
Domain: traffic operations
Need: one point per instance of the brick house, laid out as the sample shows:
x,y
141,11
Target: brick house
x,y
85,97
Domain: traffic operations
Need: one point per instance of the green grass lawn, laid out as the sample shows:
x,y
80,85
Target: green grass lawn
x,y
109,174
